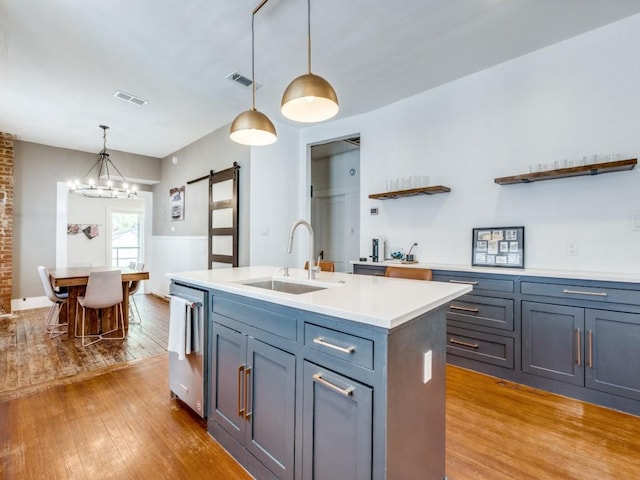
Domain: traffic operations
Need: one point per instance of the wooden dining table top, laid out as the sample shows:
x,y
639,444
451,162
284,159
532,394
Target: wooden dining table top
x,y
74,276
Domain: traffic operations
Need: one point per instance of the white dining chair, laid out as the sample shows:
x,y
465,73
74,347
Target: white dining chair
x,y
104,290
58,299
134,286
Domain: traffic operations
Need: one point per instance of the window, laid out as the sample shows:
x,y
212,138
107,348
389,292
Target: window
x,y
126,238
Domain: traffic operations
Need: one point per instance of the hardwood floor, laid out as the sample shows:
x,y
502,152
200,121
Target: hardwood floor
x,y
123,424
29,358
498,430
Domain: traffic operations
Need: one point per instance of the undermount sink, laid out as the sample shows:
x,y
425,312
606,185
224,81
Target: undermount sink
x,y
287,287
295,286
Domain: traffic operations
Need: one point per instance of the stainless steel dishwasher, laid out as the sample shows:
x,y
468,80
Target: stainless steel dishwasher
x,y
188,377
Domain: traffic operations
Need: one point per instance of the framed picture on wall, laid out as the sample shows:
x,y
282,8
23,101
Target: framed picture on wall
x,y
176,203
498,247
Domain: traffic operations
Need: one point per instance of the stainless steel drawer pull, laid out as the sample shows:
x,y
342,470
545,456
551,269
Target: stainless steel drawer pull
x,y
321,341
464,344
466,282
579,346
347,392
464,309
578,292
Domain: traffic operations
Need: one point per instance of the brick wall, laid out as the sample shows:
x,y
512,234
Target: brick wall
x,y
6,221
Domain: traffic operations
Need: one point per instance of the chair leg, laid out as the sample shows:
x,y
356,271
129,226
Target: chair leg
x,y
55,329
132,315
119,310
82,335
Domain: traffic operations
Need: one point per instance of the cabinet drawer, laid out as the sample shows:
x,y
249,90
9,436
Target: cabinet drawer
x,y
581,292
480,346
478,283
350,348
482,311
282,323
377,270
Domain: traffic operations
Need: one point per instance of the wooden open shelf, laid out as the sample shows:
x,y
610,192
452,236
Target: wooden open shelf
x,y
411,192
594,169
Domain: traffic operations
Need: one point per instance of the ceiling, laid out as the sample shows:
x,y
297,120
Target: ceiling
x,y
61,62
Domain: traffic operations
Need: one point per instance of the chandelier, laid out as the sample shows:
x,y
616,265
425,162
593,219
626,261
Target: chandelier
x,y
98,183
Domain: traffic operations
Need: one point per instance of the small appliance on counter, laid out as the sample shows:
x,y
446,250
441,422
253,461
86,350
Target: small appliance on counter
x,y
378,249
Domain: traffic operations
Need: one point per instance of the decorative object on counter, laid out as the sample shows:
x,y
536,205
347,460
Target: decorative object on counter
x,y
569,171
397,253
98,182
498,247
253,127
309,98
410,258
410,192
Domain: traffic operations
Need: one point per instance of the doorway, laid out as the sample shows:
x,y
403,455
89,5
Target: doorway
x,y
335,201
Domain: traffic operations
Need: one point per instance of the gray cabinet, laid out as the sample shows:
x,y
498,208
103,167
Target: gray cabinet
x,y
598,349
613,352
304,396
337,426
481,325
552,341
575,337
253,397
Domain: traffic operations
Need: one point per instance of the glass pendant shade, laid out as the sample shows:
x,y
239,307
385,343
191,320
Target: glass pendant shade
x,y
252,127
309,98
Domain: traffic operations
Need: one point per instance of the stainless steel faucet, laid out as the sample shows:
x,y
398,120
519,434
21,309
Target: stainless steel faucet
x,y
312,272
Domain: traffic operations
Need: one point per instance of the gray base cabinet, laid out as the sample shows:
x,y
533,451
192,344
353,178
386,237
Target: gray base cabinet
x,y
553,344
253,397
579,338
613,357
298,395
337,428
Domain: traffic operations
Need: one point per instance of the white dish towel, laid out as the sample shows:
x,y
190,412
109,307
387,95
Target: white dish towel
x,y
179,327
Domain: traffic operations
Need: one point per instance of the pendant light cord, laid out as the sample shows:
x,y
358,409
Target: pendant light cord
x,y
309,35
253,64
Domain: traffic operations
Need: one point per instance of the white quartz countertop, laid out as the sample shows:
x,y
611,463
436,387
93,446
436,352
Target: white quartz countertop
x,y
530,272
378,301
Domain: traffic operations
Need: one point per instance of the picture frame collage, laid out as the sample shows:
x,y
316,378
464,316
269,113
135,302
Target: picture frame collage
x,y
498,247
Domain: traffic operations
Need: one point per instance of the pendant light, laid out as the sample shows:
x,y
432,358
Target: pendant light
x,y
309,98
253,127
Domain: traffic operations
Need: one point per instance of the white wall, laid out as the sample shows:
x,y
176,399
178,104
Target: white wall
x,y
575,98
275,204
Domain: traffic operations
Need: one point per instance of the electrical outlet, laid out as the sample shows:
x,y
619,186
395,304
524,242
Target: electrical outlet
x,y
572,248
635,223
426,371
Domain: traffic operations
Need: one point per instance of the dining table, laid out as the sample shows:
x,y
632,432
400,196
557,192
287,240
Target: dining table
x,y
75,279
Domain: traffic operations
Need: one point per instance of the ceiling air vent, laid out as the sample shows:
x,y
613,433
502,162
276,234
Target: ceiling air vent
x,y
353,141
242,80
130,98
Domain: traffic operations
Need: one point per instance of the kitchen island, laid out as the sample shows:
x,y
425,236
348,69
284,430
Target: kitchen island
x,y
346,380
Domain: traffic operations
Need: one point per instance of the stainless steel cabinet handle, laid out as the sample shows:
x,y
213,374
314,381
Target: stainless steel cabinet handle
x,y
464,309
321,341
466,282
247,373
240,406
579,360
590,359
464,344
578,292
347,392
